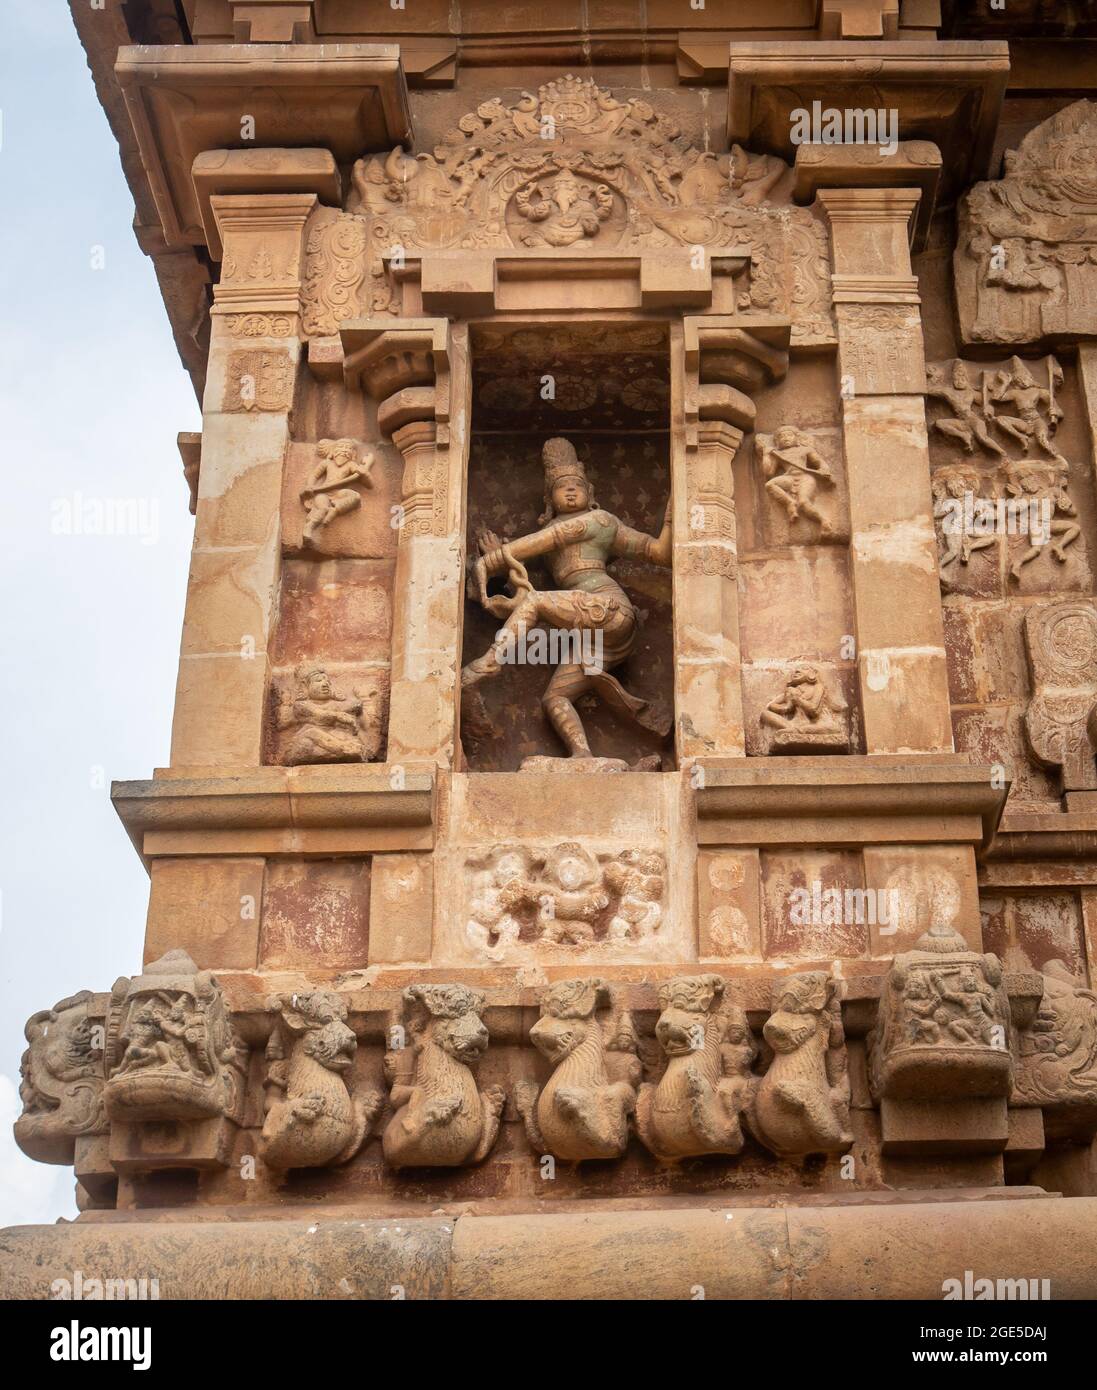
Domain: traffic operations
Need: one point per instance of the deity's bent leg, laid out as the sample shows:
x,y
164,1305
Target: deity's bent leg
x,y
516,627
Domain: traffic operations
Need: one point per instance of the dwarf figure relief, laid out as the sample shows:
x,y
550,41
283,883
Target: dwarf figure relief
x,y
801,1104
570,896
793,470
312,1118
1057,1055
696,1106
638,877
61,1081
330,488
583,1111
807,718
943,1024
578,540
172,1053
442,1119
505,886
566,896
327,727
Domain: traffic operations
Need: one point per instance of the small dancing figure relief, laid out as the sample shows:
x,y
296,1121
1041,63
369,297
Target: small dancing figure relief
x,y
793,469
966,423
1016,387
1053,514
329,491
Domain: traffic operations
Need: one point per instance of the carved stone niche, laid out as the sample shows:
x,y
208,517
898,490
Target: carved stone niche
x,y
1061,642
939,1055
175,1069
1024,262
801,1104
1057,1057
314,1119
61,1081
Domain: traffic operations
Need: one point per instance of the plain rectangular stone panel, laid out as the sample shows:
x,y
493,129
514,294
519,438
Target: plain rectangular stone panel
x,y
909,1251
316,914
321,1258
613,1255
207,907
926,1127
401,908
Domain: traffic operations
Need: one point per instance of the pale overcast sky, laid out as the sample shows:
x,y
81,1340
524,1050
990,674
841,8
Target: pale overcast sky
x,y
92,395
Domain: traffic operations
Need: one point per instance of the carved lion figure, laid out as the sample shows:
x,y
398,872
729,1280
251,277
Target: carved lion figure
x,y
583,1110
315,1120
695,1107
442,1119
801,1105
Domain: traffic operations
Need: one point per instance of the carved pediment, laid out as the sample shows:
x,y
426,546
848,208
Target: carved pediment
x,y
572,168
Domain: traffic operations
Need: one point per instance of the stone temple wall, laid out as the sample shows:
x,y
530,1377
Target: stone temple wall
x,y
634,742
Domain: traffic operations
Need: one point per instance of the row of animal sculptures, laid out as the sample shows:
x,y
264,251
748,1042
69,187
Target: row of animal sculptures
x,y
594,1096
165,1051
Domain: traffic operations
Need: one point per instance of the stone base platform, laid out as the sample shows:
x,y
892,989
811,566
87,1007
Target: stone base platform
x,y
876,1250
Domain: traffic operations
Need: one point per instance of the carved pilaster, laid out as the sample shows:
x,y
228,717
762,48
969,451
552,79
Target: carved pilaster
x,y
235,564
900,635
416,369
717,361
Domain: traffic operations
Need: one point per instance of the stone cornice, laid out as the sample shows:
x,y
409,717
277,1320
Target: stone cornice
x,y
848,801
279,810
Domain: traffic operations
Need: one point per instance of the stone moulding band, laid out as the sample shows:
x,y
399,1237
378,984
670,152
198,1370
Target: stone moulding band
x,y
848,1251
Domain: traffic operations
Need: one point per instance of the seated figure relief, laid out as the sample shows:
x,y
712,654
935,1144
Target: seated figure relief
x,y
324,726
578,540
808,717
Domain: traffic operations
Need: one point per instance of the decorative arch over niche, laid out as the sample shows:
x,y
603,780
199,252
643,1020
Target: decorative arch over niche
x,y
571,169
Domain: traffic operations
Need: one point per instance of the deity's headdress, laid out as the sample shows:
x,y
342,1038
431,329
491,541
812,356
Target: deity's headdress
x,y
561,461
